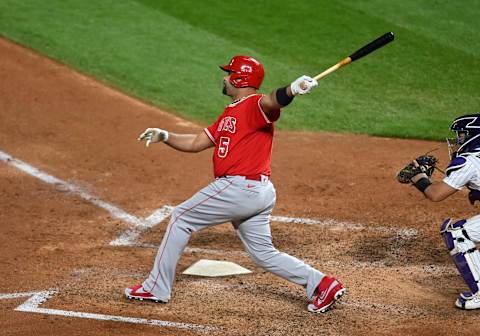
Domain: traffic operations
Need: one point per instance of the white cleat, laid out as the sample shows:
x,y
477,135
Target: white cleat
x,y
468,301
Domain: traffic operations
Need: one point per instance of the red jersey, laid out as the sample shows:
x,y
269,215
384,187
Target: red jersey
x,y
243,137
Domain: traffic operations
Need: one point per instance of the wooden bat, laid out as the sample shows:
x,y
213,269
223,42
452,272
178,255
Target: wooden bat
x,y
363,51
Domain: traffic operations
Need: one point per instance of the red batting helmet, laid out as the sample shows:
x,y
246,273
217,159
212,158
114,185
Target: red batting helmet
x,y
245,71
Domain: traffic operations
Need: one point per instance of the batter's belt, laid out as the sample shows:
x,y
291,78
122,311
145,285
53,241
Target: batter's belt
x,y
255,177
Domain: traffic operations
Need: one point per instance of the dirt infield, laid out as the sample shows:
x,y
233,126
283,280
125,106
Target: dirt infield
x,y
380,238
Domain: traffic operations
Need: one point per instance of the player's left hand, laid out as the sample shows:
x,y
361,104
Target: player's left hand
x,y
153,135
423,166
303,85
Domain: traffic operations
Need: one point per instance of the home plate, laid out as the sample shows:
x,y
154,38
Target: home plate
x,y
215,268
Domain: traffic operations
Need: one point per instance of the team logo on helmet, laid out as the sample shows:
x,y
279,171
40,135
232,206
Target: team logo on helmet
x,y
246,68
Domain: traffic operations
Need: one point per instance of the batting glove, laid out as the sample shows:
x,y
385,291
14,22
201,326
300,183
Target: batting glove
x,y
303,85
153,135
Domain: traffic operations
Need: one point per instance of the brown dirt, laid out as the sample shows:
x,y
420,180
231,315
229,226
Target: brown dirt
x,y
81,131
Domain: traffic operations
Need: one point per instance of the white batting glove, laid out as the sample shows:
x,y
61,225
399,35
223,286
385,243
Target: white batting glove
x,y
303,85
153,135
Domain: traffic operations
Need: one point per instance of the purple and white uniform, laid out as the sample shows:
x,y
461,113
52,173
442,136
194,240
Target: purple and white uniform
x,y
461,236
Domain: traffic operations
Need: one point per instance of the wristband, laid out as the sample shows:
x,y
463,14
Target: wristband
x,y
422,184
282,97
166,136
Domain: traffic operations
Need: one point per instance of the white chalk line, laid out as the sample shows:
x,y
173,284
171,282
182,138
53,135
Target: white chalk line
x,y
10,296
125,239
334,224
129,237
32,305
30,170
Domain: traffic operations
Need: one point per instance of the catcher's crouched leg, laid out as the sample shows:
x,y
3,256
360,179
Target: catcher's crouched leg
x,y
467,259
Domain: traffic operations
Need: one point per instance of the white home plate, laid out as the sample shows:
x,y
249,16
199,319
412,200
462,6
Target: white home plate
x,y
214,268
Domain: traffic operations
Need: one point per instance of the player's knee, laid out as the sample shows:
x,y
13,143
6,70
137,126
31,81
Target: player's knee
x,y
463,252
175,213
456,236
178,222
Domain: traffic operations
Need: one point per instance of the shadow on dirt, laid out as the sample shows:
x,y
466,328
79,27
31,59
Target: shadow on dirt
x,y
399,251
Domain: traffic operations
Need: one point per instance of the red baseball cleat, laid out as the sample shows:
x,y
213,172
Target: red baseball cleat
x,y
328,291
138,293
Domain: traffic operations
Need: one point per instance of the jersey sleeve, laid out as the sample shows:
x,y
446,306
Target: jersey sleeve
x,y
259,118
459,172
212,131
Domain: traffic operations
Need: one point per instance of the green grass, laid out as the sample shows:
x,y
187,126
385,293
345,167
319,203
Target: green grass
x,y
168,52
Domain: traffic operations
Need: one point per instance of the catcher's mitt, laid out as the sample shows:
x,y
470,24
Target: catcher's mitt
x,y
426,164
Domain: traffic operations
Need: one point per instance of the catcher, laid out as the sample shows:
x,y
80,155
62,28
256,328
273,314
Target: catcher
x,y
463,170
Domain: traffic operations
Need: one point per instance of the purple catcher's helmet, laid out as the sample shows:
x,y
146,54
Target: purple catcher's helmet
x,y
467,140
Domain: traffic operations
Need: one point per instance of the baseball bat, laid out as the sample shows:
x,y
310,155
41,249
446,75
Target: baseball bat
x,y
363,51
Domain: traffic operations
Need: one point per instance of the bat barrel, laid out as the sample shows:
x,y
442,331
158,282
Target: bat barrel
x,y
372,46
365,50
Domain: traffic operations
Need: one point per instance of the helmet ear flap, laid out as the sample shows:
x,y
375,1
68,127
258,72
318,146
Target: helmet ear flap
x,y
236,79
240,81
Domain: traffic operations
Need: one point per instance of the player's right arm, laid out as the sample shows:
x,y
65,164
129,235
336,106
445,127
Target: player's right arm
x,y
192,143
283,96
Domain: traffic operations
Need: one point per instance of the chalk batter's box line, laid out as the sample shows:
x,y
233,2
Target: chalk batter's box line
x,y
32,305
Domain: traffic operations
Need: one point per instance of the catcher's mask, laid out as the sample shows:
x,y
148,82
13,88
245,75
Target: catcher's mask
x,y
244,71
467,140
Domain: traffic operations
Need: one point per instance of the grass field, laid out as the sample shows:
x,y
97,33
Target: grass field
x,y
168,52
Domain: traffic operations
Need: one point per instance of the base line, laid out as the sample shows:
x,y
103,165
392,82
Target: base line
x,y
16,295
33,303
63,185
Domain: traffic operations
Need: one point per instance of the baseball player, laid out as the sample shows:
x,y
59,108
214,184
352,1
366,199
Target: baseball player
x,y
242,192
461,236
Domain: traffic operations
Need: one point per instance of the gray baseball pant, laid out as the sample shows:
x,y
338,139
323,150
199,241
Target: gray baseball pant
x,y
248,205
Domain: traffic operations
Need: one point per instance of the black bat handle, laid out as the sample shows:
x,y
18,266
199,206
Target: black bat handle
x,y
372,46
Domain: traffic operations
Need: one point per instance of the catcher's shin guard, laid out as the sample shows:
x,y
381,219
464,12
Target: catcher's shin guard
x,y
465,256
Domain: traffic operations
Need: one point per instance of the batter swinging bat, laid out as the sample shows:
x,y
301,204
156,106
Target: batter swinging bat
x,y
363,51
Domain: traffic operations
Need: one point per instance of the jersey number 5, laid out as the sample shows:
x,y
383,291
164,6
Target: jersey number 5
x,y
223,146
